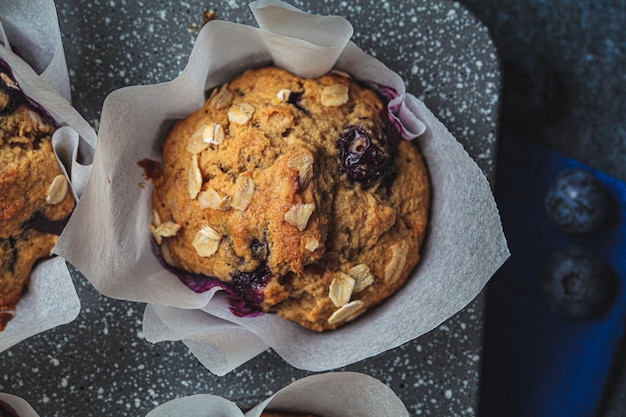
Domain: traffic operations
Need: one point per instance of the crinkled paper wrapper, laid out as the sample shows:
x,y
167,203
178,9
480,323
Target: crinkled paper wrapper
x,y
339,394
19,405
31,29
108,238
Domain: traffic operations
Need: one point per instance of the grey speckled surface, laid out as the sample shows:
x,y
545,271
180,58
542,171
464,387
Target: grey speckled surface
x,y
100,364
563,71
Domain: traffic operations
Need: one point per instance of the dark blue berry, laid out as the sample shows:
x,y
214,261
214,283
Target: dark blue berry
x,y
577,202
576,283
365,155
245,289
249,285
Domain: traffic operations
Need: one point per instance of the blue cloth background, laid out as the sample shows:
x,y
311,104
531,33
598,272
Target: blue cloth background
x,y
536,363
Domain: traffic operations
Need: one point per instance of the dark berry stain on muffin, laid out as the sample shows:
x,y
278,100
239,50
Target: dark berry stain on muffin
x,y
44,225
366,156
249,285
295,98
245,289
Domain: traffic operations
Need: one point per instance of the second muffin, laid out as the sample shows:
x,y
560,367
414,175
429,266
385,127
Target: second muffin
x,y
35,198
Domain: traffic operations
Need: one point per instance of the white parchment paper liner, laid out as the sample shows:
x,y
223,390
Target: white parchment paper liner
x,y
33,27
21,407
339,394
109,241
32,31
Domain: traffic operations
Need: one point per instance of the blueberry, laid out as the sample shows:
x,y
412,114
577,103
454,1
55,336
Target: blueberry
x,y
577,202
576,283
365,155
249,285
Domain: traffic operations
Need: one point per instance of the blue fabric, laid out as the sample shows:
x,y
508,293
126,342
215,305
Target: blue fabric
x,y
536,363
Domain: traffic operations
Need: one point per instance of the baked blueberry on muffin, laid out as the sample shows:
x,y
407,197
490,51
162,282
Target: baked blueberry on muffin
x,y
296,195
36,200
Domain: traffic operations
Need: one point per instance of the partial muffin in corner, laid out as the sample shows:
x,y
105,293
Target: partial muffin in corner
x,y
296,195
36,200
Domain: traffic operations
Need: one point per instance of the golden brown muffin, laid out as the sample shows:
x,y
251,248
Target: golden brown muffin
x,y
35,198
296,195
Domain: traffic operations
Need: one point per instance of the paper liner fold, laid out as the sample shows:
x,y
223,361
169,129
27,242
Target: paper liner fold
x,y
338,394
310,54
51,301
218,344
334,394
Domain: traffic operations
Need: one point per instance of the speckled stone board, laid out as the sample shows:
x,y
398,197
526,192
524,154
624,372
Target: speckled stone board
x,y
101,365
563,75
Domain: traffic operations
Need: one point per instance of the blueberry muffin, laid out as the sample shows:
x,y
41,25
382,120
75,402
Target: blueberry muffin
x,y
297,196
36,200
